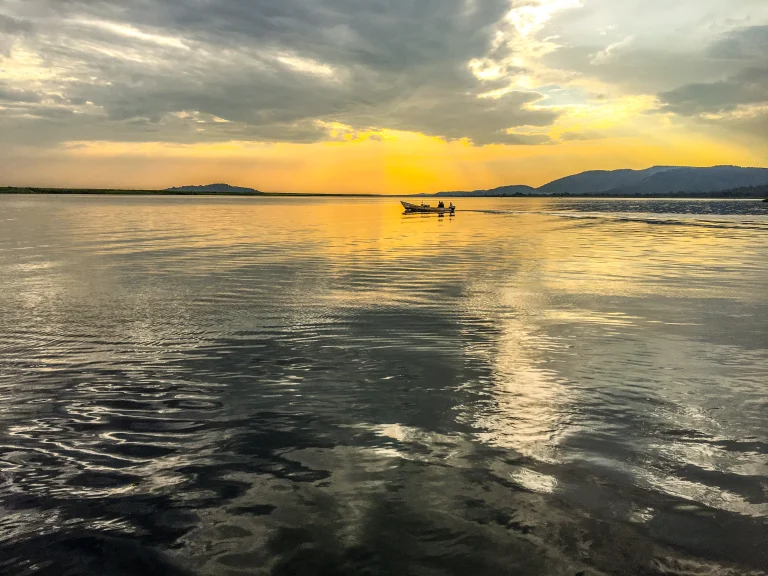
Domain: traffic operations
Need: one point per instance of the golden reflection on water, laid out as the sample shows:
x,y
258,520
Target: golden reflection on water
x,y
522,265
528,228
513,255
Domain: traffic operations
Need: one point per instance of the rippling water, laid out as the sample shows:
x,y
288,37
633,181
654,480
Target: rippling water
x,y
327,386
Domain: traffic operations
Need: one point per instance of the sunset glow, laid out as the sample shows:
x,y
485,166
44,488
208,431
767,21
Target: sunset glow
x,y
354,101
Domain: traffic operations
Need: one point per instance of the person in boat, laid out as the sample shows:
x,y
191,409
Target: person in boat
x,y
441,204
450,206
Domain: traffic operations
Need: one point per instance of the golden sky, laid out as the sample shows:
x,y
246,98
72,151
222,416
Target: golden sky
x,y
337,96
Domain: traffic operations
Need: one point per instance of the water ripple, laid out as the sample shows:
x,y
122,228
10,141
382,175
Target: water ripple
x,y
222,386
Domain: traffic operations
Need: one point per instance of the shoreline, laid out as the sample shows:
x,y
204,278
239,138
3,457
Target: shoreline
x,y
30,191
8,190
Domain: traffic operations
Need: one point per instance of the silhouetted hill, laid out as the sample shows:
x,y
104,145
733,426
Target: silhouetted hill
x,y
500,191
595,181
700,180
215,189
655,181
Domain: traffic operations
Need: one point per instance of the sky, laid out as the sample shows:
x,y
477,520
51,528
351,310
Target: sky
x,y
375,96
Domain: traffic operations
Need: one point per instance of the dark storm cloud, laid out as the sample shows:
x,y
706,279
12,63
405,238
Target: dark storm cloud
x,y
273,71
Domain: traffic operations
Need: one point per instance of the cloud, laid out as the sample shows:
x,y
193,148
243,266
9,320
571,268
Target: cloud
x,y
750,121
10,25
748,44
674,43
612,52
275,71
750,86
10,30
737,103
640,69
186,71
11,95
584,135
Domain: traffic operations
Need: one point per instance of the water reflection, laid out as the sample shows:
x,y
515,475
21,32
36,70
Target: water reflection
x,y
227,386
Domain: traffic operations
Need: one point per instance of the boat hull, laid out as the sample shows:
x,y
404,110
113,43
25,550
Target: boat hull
x,y
426,209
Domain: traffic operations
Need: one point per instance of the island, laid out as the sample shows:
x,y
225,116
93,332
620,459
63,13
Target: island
x,y
216,189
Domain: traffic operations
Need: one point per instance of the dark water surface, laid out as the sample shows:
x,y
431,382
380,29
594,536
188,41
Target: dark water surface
x,y
326,386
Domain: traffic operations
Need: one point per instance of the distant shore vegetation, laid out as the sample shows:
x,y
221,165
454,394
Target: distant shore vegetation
x,y
654,182
749,192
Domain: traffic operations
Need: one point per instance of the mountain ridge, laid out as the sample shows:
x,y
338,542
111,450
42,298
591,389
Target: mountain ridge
x,y
653,181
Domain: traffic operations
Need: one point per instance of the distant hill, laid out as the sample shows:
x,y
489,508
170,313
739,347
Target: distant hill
x,y
215,189
501,191
704,180
596,181
658,180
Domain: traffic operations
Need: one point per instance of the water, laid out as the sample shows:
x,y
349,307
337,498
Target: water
x,y
327,386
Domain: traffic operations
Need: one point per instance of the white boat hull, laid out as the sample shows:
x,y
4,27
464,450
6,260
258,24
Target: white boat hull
x,y
426,209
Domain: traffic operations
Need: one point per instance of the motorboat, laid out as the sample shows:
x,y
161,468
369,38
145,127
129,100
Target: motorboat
x,y
427,209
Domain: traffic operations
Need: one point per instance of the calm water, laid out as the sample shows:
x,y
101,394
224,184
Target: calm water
x,y
326,386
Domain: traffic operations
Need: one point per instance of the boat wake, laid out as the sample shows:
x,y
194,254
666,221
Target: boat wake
x,y
625,218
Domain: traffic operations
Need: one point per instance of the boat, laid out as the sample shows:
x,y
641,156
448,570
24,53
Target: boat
x,y
427,209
